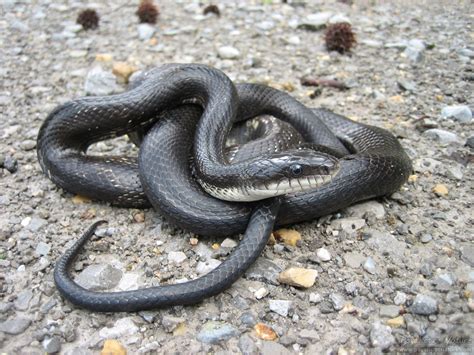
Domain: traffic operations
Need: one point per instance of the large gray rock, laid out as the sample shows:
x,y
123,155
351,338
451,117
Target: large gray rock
x,y
100,82
460,113
443,136
15,326
99,277
381,336
23,299
424,305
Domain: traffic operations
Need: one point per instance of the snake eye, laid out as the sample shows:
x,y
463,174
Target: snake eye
x,y
296,170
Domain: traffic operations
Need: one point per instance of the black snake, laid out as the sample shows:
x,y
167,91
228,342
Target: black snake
x,y
363,161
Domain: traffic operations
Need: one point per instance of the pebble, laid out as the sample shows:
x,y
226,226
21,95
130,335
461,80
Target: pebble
x,y
123,71
443,136
23,299
424,305
407,85
294,40
266,25
396,322
123,327
129,281
99,277
214,332
260,293
100,82
426,238
369,265
315,298
281,307
440,190
52,345
265,332
414,50
339,18
15,326
204,267
337,301
42,248
316,21
460,113
170,323
298,277
229,243
289,237
455,172
112,347
381,336
273,348
247,319
400,298
323,254
349,224
247,345
145,31
467,252
361,209
148,316
354,259
470,142
389,311
264,270
176,257
36,223
385,242
10,163
228,52
28,145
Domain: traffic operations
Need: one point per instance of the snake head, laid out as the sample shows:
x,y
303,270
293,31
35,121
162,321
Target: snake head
x,y
288,172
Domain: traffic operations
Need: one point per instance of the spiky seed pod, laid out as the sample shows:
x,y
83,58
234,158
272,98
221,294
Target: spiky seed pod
x,y
88,19
211,9
340,37
147,12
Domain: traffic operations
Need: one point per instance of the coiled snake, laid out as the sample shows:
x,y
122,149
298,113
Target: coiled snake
x,y
189,111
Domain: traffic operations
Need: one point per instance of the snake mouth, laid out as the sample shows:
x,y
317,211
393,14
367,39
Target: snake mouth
x,y
290,186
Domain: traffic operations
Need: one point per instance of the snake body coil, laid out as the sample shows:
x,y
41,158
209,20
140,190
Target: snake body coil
x,y
370,163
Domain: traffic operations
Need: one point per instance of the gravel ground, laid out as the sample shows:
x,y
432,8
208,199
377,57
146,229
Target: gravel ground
x,y
394,274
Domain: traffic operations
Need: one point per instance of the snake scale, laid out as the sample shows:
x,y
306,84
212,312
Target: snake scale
x,y
188,112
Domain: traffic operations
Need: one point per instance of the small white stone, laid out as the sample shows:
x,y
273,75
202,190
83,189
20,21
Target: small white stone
x,y
229,243
203,267
295,40
315,298
176,257
228,52
369,265
26,221
323,254
400,298
260,293
145,31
